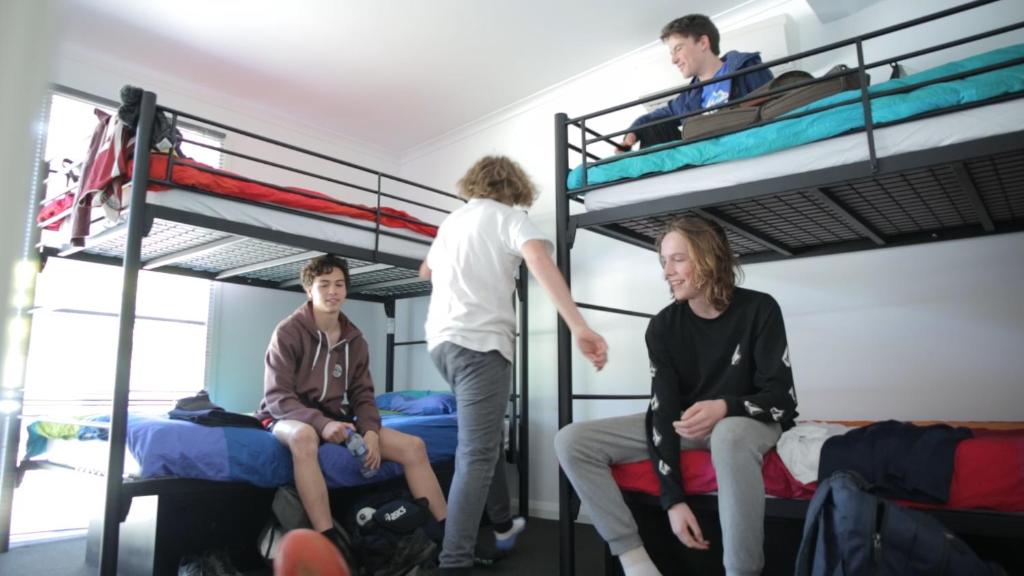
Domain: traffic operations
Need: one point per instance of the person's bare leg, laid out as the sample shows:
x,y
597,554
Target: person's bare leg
x,y
411,453
304,443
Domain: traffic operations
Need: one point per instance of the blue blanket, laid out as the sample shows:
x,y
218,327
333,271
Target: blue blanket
x,y
826,124
165,447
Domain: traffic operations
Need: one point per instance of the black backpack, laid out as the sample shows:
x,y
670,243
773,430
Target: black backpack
x,y
288,514
851,532
389,535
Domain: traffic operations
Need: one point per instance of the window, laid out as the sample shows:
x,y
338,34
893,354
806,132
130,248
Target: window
x,y
73,346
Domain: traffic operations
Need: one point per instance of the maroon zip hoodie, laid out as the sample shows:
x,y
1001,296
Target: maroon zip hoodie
x,y
309,381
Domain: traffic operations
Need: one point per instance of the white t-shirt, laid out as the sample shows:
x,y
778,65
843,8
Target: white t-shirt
x,y
473,264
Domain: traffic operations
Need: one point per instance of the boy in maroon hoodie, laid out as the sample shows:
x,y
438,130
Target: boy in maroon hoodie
x,y
316,360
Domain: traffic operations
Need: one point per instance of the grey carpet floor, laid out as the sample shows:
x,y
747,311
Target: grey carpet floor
x,y
536,554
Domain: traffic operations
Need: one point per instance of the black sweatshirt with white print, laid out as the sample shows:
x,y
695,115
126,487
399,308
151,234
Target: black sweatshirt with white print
x,y
741,356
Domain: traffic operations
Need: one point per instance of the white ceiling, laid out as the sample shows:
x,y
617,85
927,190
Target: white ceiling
x,y
391,73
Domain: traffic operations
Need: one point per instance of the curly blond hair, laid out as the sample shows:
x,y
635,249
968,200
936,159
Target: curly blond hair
x,y
715,267
499,178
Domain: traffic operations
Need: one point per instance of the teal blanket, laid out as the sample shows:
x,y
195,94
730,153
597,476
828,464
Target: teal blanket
x,y
826,124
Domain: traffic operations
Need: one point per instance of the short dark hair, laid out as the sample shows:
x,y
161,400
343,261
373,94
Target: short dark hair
x,y
693,26
322,265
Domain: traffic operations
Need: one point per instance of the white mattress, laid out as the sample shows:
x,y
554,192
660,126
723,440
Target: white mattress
x,y
246,213
923,134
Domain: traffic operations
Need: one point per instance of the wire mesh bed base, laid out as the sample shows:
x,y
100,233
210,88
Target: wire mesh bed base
x,y
956,191
203,246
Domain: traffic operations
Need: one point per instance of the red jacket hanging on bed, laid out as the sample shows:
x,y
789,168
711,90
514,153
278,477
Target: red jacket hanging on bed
x,y
308,380
105,169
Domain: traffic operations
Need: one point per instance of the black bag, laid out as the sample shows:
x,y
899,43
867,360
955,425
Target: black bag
x,y
288,514
850,532
389,535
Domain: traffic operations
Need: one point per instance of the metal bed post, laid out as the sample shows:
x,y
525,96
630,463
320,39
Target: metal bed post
x,y
113,505
567,560
389,379
523,444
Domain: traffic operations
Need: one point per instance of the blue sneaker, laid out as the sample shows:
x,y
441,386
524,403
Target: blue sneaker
x,y
505,541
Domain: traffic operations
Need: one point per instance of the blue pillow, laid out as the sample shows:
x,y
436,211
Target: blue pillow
x,y
417,402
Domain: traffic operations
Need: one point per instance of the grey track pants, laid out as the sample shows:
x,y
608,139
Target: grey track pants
x,y
481,383
586,451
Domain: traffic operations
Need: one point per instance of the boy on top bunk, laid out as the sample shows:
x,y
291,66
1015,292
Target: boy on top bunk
x,y
692,43
318,359
720,381
470,332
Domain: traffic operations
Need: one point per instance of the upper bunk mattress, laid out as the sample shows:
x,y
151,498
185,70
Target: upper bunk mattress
x,y
815,141
331,229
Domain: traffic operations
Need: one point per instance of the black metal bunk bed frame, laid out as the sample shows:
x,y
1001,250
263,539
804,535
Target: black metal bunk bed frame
x,y
378,276
880,202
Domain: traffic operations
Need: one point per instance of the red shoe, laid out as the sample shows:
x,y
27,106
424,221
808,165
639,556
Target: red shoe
x,y
306,552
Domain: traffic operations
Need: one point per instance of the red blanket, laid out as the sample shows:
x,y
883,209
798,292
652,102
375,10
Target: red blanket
x,y
203,177
988,473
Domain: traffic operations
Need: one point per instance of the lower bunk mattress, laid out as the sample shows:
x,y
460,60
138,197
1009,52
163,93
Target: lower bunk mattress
x,y
988,473
175,448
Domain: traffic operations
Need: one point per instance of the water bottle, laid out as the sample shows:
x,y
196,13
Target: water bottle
x,y
357,447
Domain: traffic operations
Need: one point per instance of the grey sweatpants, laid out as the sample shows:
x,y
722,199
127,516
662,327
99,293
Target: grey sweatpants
x,y
481,383
586,451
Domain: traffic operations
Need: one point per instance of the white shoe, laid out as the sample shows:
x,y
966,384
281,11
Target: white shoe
x,y
507,540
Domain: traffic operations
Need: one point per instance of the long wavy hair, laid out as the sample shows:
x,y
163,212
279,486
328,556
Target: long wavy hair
x,y
498,178
715,267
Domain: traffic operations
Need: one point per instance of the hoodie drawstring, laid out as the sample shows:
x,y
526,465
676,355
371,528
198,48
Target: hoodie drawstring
x,y
319,341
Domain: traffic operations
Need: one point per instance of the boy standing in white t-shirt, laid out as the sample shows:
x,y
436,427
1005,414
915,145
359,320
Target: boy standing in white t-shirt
x,y
471,335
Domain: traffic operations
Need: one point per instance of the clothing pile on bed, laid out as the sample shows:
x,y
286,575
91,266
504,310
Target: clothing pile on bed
x,y
936,464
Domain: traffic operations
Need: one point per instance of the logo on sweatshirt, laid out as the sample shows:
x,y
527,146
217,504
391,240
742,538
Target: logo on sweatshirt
x,y
752,409
337,371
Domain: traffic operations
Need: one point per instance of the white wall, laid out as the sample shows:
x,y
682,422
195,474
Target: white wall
x,y
25,30
930,331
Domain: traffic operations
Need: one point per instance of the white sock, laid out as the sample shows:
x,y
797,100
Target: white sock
x,y
636,562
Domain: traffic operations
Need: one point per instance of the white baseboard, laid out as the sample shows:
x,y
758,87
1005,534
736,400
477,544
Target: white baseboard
x,y
549,511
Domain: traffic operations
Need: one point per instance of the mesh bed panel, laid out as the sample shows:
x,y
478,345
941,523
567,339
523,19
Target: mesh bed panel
x,y
913,201
378,276
245,253
165,238
794,220
651,226
1000,183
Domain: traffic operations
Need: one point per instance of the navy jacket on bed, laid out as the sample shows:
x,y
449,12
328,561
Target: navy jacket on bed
x,y
902,460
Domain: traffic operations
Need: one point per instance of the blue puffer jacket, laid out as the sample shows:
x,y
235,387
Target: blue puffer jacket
x,y
689,101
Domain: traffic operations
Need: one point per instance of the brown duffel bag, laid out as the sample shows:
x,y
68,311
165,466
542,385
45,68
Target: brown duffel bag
x,y
793,99
757,109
